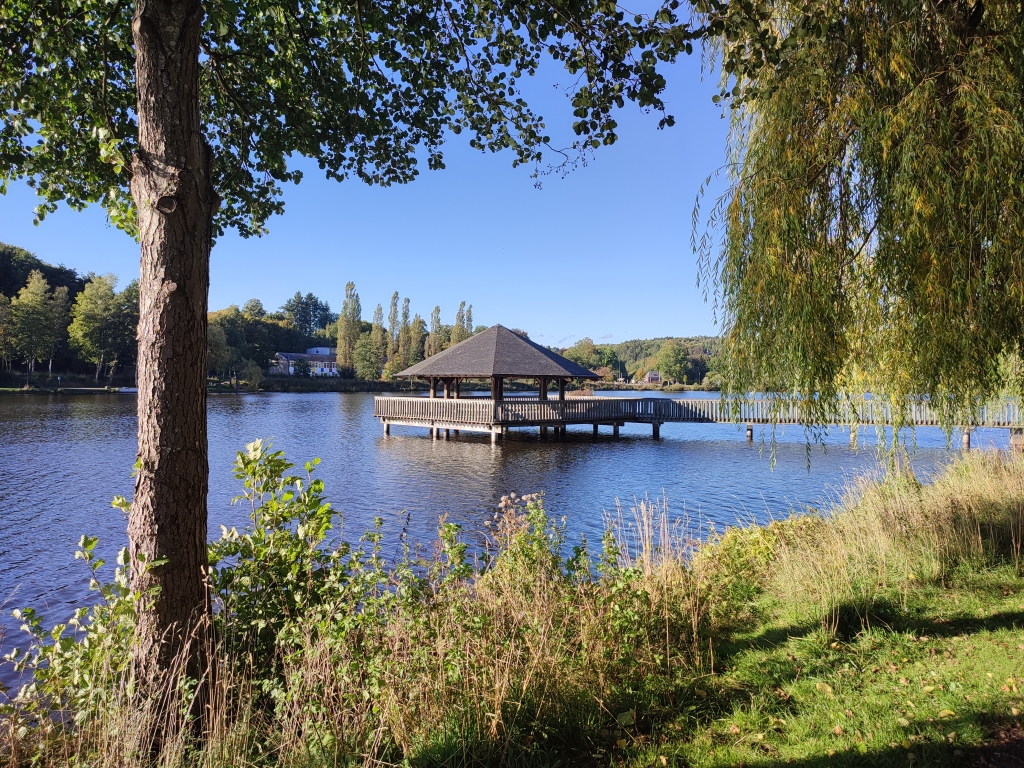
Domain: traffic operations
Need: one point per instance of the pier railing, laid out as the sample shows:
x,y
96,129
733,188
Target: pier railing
x,y
608,410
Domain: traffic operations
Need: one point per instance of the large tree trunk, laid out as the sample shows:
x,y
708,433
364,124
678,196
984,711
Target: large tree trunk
x,y
173,193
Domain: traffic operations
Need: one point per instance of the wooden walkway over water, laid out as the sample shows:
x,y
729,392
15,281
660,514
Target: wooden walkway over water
x,y
478,414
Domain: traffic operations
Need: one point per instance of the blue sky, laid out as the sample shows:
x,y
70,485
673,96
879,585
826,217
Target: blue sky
x,y
604,252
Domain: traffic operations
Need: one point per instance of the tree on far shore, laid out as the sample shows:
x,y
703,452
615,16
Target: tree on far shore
x,y
349,324
94,322
36,315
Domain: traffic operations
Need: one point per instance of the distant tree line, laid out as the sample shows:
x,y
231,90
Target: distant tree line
x,y
242,340
686,360
381,351
51,314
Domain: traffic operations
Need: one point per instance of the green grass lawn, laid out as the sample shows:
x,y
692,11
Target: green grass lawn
x,y
936,681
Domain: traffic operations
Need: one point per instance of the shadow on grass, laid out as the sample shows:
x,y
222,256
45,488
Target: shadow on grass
x,y
850,621
1005,749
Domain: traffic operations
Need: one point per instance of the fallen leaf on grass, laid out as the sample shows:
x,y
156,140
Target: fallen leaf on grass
x,y
824,688
903,721
943,713
838,730
701,693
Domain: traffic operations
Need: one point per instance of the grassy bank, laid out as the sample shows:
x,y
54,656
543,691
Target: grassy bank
x,y
888,632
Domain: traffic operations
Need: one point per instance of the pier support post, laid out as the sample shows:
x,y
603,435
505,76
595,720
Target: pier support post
x,y
966,442
750,433
495,431
615,429
543,433
1017,439
387,429
595,430
657,430
433,433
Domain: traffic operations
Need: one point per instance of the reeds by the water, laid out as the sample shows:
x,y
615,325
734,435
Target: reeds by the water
x,y
536,653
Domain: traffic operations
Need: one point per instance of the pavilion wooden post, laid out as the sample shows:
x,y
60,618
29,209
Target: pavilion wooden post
x,y
433,394
457,394
542,386
560,431
447,396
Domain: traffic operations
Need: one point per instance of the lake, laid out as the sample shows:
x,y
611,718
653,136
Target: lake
x,y
63,458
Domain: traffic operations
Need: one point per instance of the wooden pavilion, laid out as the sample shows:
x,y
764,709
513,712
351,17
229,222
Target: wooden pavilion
x,y
496,354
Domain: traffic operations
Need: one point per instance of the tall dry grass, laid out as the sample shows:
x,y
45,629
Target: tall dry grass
x,y
884,538
525,657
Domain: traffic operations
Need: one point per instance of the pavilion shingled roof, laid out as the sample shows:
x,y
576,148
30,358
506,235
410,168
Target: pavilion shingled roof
x,y
497,352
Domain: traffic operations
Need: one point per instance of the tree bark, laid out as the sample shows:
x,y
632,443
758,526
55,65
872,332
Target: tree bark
x,y
173,193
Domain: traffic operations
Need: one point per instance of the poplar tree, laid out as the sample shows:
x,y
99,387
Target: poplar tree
x,y
417,339
349,326
378,335
870,238
181,118
404,339
434,339
459,329
392,350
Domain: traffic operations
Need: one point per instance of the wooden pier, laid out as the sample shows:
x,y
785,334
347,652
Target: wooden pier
x,y
498,354
496,416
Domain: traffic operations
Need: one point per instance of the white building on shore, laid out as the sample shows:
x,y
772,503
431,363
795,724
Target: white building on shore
x,y
322,361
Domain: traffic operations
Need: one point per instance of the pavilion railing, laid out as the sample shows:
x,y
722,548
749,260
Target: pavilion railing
x,y
587,410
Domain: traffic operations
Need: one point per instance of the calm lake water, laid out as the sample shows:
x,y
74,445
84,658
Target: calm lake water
x,y
63,458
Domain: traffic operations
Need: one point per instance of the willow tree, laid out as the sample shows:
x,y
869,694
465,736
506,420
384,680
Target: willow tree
x,y
180,118
871,236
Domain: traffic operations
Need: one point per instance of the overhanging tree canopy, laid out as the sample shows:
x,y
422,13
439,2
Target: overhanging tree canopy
x,y
367,89
871,236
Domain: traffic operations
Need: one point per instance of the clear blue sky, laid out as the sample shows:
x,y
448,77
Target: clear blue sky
x,y
604,252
